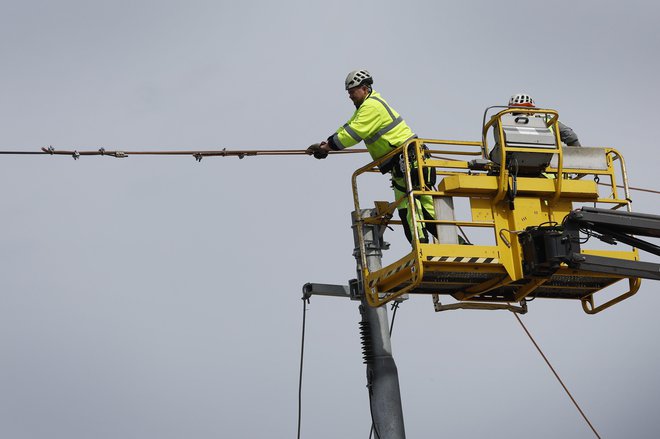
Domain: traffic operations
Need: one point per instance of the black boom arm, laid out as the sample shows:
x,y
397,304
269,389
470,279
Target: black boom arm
x,y
546,247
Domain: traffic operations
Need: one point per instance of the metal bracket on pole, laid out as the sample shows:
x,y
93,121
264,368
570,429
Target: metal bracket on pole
x,y
315,289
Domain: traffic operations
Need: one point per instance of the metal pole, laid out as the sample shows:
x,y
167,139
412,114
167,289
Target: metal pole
x,y
382,375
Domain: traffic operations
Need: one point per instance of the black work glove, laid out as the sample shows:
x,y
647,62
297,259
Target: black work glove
x,y
317,151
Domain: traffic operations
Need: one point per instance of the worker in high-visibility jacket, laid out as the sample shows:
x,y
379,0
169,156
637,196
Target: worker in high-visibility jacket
x,y
382,129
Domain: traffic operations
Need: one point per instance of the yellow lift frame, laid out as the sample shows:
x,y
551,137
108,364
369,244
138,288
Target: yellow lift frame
x,y
492,276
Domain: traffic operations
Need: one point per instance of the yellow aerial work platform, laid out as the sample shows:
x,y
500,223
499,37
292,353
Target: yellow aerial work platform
x,y
527,180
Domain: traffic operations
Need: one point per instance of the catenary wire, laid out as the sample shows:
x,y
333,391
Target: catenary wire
x,y
199,154
22,153
556,375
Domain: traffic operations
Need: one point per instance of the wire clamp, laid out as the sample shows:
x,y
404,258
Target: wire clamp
x,y
75,155
120,154
198,156
102,151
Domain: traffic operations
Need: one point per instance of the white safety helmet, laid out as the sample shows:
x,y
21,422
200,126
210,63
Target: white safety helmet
x,y
358,77
521,100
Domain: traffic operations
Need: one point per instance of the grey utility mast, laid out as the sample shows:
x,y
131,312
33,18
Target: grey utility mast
x,y
382,375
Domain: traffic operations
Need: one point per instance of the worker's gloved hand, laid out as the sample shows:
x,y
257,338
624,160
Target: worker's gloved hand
x,y
317,150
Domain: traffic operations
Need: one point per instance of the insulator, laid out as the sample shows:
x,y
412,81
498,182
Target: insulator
x,y
367,345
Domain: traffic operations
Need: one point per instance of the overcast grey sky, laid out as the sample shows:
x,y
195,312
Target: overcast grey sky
x,y
160,298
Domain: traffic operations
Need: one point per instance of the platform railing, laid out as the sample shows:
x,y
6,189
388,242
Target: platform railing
x,y
448,158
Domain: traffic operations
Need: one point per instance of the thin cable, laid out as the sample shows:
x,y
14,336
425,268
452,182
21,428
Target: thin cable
x,y
197,154
395,307
22,152
464,235
632,188
373,425
305,301
642,190
556,375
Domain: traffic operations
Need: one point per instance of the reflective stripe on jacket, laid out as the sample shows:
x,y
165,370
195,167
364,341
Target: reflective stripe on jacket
x,y
377,124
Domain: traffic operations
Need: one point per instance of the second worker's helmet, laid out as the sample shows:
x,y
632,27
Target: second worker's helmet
x,y
521,100
358,77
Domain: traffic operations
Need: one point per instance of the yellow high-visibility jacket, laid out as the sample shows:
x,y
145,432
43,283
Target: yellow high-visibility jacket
x,y
377,124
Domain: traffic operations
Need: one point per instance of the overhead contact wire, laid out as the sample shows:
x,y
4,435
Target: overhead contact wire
x,y
22,152
199,154
206,153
